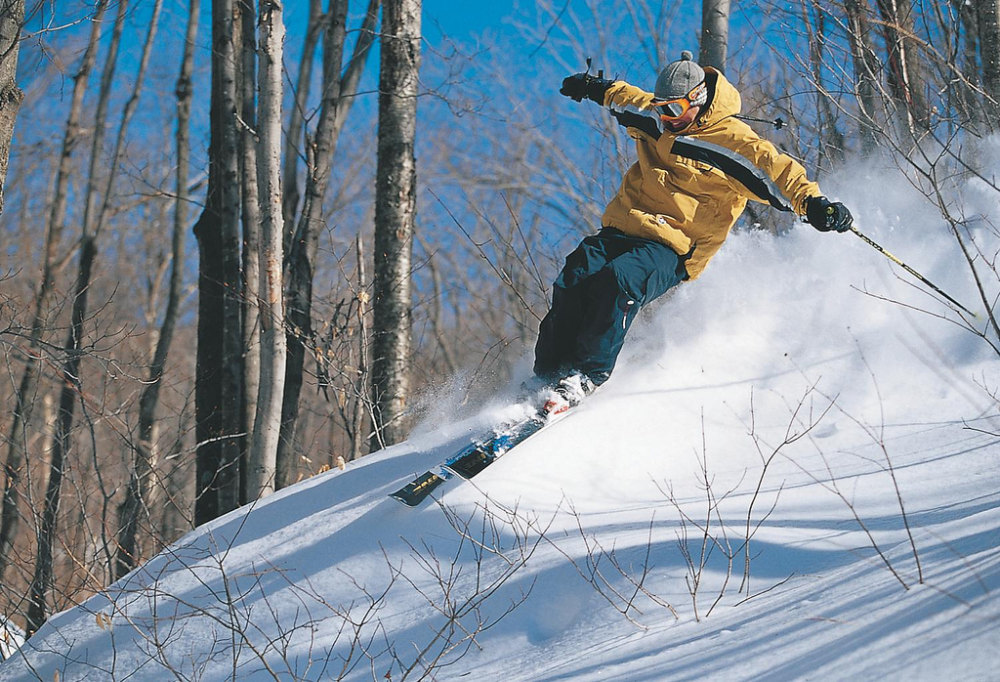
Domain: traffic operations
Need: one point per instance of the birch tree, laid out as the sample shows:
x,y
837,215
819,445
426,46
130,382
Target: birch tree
x,y
11,18
245,37
267,423
395,214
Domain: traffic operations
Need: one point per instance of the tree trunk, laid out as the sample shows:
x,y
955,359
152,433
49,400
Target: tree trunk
x,y
25,396
41,582
395,213
218,393
267,423
11,18
145,452
296,127
361,402
988,15
247,89
831,141
339,89
91,211
105,207
865,70
966,92
714,33
71,387
905,76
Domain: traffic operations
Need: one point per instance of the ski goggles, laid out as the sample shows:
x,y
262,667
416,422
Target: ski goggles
x,y
675,108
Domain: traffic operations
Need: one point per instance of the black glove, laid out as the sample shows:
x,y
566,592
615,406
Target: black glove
x,y
582,85
825,215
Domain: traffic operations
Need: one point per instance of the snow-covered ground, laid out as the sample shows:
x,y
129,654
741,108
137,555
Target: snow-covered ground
x,y
779,397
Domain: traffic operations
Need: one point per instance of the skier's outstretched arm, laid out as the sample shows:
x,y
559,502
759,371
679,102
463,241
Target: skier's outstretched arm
x,y
618,94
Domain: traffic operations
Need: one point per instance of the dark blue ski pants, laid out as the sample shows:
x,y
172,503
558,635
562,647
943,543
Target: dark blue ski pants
x,y
605,281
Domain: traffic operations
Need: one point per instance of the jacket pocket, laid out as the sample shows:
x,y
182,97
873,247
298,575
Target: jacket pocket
x,y
658,228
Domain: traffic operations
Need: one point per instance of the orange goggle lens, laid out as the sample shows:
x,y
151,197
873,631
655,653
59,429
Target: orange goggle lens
x,y
675,108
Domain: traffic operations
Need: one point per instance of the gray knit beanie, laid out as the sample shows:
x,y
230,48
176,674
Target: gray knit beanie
x,y
678,78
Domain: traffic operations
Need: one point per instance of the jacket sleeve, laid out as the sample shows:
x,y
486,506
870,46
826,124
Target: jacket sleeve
x,y
787,173
622,95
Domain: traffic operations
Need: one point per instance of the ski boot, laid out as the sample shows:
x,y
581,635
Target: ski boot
x,y
566,393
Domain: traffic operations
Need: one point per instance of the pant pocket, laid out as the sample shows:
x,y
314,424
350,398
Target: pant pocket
x,y
666,272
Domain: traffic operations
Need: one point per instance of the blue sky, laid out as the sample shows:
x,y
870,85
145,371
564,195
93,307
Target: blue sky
x,y
461,19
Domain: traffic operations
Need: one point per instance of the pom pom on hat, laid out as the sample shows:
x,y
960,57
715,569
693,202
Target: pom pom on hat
x,y
679,78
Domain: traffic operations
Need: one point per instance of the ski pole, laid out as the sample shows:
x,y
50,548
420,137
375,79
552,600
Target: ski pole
x,y
909,269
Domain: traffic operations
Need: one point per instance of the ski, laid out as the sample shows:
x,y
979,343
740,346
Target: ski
x,y
473,458
417,490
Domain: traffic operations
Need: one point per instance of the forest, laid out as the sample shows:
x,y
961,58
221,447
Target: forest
x,y
245,243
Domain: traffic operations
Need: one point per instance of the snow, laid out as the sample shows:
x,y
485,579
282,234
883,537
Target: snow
x,y
780,393
11,638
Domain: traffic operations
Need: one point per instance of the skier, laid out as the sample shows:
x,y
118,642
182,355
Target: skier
x,y
697,166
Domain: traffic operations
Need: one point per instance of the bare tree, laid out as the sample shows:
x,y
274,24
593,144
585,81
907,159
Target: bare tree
x,y
905,75
41,582
267,423
144,449
831,140
315,25
245,37
94,213
11,18
339,90
361,403
24,396
988,19
865,69
714,33
218,394
395,215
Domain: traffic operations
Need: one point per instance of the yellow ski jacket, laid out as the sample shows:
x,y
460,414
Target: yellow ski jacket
x,y
687,190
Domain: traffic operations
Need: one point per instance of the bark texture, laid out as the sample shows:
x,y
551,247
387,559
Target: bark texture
x,y
395,213
218,394
267,423
988,16
905,77
294,151
246,83
714,33
11,18
865,69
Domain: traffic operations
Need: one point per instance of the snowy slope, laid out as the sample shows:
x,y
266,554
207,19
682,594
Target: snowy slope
x,y
773,395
